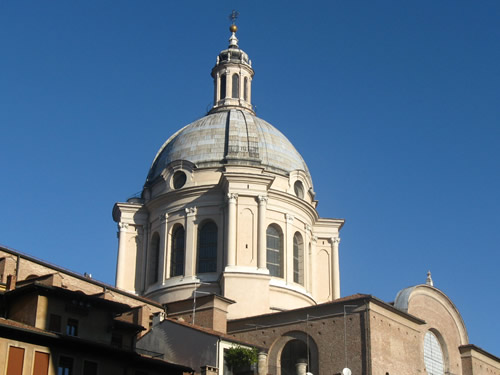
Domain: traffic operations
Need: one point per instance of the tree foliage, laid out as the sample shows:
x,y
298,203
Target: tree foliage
x,y
238,356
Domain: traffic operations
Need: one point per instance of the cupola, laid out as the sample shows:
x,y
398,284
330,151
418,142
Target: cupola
x,y
232,76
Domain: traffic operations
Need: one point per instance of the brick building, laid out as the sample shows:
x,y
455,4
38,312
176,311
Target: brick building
x,y
54,321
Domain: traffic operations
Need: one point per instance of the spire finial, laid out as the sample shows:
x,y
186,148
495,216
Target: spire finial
x,y
232,17
234,14
429,279
233,41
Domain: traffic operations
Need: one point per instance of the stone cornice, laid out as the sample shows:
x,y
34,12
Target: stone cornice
x,y
245,178
129,210
176,195
469,349
298,203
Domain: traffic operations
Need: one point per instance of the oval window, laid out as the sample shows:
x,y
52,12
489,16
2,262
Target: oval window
x,y
179,179
299,189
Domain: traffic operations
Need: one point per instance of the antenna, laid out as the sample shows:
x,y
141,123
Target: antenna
x,y
195,292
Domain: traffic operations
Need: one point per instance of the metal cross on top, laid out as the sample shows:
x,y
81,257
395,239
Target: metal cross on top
x,y
234,14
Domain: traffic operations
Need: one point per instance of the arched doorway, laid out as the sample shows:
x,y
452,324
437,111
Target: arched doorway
x,y
294,352
288,350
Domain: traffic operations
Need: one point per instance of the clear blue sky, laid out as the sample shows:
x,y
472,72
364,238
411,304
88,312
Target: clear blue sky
x,y
394,106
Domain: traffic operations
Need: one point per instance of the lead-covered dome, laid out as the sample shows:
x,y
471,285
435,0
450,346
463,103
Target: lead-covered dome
x,y
232,136
230,133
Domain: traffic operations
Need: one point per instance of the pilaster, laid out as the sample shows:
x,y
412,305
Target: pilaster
x,y
307,257
288,249
190,260
162,259
261,232
314,266
231,229
144,259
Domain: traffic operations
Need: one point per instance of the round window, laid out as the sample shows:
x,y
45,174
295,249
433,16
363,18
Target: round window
x,y
299,189
433,355
179,179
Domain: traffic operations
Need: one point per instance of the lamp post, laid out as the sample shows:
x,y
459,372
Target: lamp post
x,y
307,343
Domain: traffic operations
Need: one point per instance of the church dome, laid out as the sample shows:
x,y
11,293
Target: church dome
x,y
228,209
231,136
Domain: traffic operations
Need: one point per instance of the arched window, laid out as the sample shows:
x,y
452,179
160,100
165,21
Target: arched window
x,y
207,248
245,89
298,259
433,355
154,259
236,86
177,252
222,86
274,245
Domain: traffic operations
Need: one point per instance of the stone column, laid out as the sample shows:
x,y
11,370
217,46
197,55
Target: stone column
x,y
121,262
301,367
231,229
261,233
262,364
190,265
335,267
162,258
288,249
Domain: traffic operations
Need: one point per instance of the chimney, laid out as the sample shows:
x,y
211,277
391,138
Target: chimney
x,y
210,311
11,282
209,370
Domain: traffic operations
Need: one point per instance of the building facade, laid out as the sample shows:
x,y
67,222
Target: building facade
x,y
53,321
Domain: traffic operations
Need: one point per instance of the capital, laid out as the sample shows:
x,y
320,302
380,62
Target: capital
x,y
314,239
307,228
232,197
163,217
190,211
335,240
123,226
262,199
289,218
